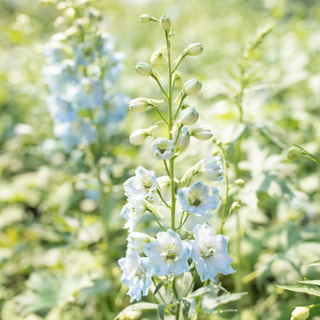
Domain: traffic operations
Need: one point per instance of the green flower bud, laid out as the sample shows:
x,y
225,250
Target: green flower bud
x,y
144,69
183,139
141,104
146,18
165,23
201,133
239,182
300,313
235,206
156,58
177,79
192,86
138,136
193,49
294,153
189,116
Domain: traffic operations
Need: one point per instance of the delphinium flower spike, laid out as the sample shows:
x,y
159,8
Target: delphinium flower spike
x,y
181,240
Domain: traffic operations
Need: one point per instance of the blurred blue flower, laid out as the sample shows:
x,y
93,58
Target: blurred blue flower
x,y
168,254
210,253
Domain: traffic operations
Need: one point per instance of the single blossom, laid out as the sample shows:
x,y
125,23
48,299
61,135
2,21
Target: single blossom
x,y
136,275
133,212
142,185
168,254
211,168
163,149
210,253
198,198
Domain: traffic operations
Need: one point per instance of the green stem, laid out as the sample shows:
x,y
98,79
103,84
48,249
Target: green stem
x,y
160,114
163,200
160,85
225,202
170,125
176,294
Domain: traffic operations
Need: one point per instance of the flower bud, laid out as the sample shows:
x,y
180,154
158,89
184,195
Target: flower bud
x,y
193,49
146,18
235,206
165,23
192,86
138,240
189,116
177,79
144,69
156,58
239,182
138,136
201,133
141,104
294,153
183,140
300,313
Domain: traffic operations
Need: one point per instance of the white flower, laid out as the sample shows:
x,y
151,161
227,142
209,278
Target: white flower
x,y
211,168
210,253
198,198
136,275
142,186
163,149
138,240
168,254
133,212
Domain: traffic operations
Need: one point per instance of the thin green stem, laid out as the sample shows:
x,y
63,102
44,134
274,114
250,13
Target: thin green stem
x,y
160,85
176,294
224,210
160,295
163,200
157,220
191,284
160,114
170,125
166,167
179,62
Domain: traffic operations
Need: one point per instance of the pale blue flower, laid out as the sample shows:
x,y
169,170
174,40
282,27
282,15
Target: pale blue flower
x,y
163,149
211,168
136,275
198,198
86,95
168,254
133,212
142,185
194,219
210,253
61,110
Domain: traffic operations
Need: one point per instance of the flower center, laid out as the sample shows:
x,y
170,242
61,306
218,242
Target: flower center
x,y
196,202
208,252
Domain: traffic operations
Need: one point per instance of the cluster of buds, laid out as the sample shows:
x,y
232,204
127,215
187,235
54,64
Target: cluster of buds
x,y
182,239
81,72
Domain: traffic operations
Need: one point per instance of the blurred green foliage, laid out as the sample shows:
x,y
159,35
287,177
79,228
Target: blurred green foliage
x,y
55,259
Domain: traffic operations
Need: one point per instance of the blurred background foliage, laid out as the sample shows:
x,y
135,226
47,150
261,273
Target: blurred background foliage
x,y
58,261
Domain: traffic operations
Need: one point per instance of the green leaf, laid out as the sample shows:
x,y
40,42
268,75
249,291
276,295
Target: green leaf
x,y
162,310
308,289
183,283
213,303
137,306
200,292
314,282
185,308
158,287
313,264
